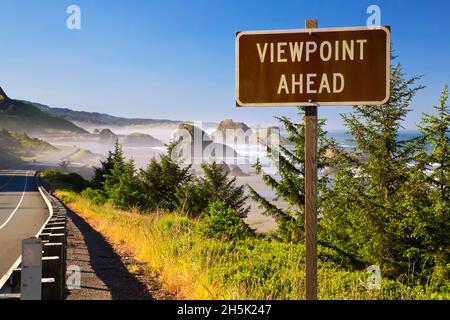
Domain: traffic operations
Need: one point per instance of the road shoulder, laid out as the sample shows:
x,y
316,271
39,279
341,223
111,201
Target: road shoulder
x,y
105,268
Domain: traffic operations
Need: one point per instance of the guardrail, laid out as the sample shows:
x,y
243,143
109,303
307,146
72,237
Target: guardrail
x,y
52,244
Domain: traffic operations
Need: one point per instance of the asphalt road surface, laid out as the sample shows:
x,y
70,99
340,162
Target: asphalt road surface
x,y
23,212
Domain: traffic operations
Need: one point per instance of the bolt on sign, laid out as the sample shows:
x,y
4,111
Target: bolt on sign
x,y
329,66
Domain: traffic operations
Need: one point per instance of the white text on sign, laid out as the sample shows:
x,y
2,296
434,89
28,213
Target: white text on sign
x,y
311,83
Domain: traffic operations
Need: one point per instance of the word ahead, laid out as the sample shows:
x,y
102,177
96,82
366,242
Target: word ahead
x,y
342,66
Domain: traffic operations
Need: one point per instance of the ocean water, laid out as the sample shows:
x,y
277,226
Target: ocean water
x,y
346,140
342,137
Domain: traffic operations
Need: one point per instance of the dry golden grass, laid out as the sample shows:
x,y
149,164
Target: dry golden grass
x,y
192,267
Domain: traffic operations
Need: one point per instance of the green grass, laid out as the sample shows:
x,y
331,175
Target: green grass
x,y
193,267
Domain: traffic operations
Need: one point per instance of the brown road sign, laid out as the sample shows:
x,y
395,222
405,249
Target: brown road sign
x,y
337,66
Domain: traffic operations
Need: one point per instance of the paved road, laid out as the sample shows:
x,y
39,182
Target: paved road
x,y
23,212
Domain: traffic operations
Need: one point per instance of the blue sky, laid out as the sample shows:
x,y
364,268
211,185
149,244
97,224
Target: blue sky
x,y
175,59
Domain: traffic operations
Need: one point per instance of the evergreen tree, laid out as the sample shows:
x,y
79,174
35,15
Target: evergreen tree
x,y
435,130
362,217
224,223
427,193
192,199
106,166
123,187
291,184
219,187
214,185
160,182
100,172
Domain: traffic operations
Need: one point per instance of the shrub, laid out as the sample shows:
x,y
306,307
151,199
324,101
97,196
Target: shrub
x,y
96,196
68,198
192,199
57,179
222,221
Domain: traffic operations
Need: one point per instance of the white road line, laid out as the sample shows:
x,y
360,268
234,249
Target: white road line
x,y
18,205
16,264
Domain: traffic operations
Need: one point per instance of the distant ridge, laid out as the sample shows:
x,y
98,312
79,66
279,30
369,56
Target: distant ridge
x,y
100,119
3,95
16,147
20,116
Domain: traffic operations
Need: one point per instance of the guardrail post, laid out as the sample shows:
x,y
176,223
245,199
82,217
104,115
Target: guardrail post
x,y
51,269
60,238
56,250
44,236
48,289
31,277
15,280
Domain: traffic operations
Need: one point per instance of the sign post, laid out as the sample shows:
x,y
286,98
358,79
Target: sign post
x,y
311,194
312,67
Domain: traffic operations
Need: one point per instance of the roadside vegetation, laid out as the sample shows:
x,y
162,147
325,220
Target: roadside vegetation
x,y
385,205
193,259
57,179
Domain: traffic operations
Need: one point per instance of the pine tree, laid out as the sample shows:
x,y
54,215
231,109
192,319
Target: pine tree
x,y
430,183
106,166
121,185
101,172
362,217
219,187
435,130
124,189
215,185
291,184
160,182
222,222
